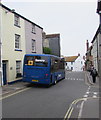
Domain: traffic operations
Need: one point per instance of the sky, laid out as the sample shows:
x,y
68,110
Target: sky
x,y
76,21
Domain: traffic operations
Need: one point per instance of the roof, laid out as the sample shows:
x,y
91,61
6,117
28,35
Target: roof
x,y
12,10
52,35
97,32
71,58
49,55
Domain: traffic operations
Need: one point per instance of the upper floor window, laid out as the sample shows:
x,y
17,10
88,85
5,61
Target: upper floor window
x,y
17,41
17,20
33,45
33,28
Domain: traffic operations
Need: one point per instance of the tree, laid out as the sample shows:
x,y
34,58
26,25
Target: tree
x,y
47,50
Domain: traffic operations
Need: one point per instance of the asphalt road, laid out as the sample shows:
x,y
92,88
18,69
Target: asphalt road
x,y
53,102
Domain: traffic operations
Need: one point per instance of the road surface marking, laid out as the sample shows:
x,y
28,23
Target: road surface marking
x,y
70,113
95,93
85,96
87,92
14,93
94,96
71,108
81,108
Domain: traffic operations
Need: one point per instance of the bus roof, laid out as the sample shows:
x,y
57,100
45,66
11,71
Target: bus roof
x,y
42,55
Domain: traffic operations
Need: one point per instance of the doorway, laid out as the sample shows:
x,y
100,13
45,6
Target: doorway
x,y
4,65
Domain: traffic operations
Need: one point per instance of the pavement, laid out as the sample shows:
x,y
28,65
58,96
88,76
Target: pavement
x,y
14,87
89,104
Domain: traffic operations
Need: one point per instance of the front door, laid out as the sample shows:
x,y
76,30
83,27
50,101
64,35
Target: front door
x,y
4,72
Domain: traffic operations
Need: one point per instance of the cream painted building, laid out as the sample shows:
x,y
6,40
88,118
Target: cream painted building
x,y
0,51
13,44
20,36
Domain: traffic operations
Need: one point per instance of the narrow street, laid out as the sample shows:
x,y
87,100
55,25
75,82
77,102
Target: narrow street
x,y
67,99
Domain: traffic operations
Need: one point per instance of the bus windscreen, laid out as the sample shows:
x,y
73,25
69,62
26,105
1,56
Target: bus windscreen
x,y
41,61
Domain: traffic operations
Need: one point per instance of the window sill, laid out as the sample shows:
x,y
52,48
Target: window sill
x,y
33,32
18,50
33,52
19,77
17,25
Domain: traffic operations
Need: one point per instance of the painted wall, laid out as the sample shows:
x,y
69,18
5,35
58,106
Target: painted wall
x,y
37,36
0,48
77,65
8,43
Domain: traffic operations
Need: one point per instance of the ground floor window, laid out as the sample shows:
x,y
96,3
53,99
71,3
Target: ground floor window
x,y
18,69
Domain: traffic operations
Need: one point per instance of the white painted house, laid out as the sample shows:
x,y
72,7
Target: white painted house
x,y
74,63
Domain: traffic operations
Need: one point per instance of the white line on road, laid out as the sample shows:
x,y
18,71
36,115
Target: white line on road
x,y
95,93
87,92
81,108
85,96
94,96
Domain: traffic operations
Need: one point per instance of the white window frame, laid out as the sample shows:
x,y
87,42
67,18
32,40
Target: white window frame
x,y
16,20
33,45
33,29
17,41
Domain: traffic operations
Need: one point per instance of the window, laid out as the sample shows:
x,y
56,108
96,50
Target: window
x,y
17,20
71,68
40,61
33,45
71,63
17,41
18,69
33,28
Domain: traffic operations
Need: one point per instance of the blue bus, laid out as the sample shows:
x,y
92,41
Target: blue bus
x,y
43,69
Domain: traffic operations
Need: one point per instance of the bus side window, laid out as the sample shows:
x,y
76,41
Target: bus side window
x,y
52,64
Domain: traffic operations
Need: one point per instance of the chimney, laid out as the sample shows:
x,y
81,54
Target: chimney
x,y
87,45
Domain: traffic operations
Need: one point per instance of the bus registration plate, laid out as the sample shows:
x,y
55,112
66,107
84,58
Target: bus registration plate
x,y
35,80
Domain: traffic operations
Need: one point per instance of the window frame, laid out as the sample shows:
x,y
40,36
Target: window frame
x,y
33,29
16,20
33,46
17,41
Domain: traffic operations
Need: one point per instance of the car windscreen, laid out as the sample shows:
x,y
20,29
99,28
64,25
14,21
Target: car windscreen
x,y
41,61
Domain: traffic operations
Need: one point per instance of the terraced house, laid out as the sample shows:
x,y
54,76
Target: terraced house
x,y
19,36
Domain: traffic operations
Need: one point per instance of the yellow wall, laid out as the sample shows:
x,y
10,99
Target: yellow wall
x,y
8,43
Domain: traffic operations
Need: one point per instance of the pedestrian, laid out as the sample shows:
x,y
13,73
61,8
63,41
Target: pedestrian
x,y
94,74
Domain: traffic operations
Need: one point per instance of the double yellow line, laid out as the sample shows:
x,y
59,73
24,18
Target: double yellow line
x,y
71,108
1,98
